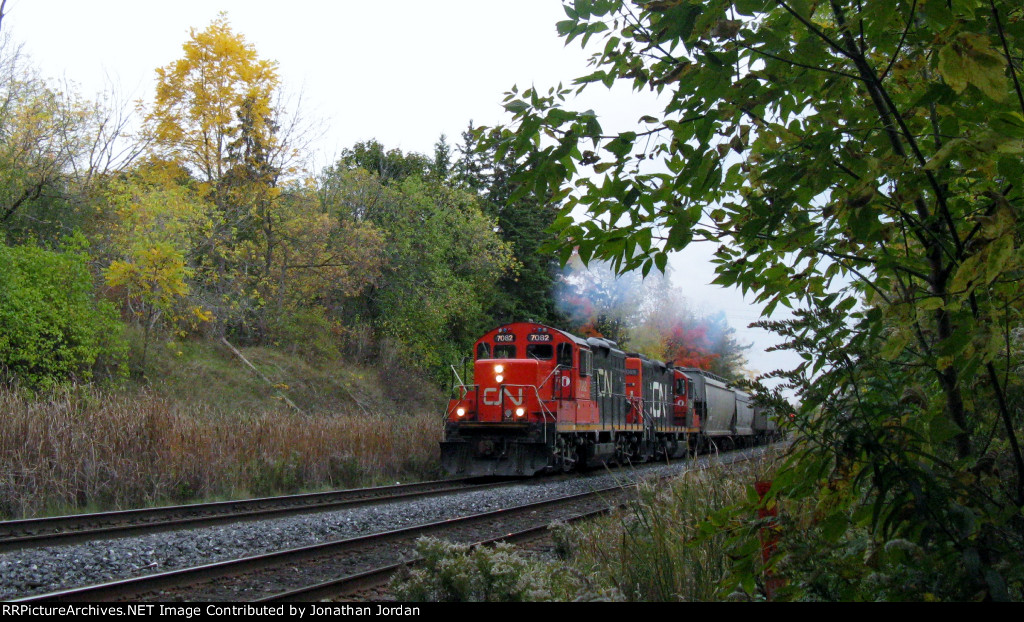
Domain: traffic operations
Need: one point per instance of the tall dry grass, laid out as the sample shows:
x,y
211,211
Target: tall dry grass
x,y
85,448
657,550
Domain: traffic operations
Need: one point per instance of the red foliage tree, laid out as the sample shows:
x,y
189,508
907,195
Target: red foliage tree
x,y
689,346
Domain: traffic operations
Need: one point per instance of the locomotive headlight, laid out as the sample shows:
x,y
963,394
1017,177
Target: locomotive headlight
x,y
461,412
499,378
498,369
520,412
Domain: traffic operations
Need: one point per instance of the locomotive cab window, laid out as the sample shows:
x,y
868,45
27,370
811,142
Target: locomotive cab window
x,y
540,351
586,361
505,351
483,351
565,355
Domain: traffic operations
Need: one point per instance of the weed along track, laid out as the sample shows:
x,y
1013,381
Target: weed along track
x,y
59,530
327,568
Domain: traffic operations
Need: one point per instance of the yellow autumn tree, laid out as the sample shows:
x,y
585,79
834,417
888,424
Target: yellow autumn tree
x,y
201,97
158,224
213,114
153,279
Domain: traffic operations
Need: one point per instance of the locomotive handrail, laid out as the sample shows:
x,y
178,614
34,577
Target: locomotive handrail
x,y
668,404
545,413
633,400
558,366
544,409
457,377
465,389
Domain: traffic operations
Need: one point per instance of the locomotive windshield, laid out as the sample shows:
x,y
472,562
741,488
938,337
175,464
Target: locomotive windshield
x,y
505,351
483,351
565,355
541,351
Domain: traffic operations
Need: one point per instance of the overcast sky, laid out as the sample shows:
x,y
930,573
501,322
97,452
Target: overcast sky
x,y
402,72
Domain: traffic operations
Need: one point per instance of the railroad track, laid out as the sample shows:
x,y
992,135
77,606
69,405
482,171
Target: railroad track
x,y
368,581
313,572
60,530
247,576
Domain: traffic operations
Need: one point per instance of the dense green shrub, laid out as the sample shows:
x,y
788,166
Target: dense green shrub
x,y
53,329
452,572
305,331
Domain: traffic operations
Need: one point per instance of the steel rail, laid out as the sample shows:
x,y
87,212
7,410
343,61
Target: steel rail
x,y
61,530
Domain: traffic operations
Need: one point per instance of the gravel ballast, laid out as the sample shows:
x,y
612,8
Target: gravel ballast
x,y
36,571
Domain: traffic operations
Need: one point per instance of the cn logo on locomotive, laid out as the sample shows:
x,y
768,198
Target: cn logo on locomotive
x,y
604,382
517,400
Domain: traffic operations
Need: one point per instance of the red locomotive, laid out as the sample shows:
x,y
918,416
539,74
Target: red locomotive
x,y
546,400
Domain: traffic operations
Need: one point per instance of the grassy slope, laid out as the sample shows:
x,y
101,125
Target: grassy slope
x,y
208,373
200,424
